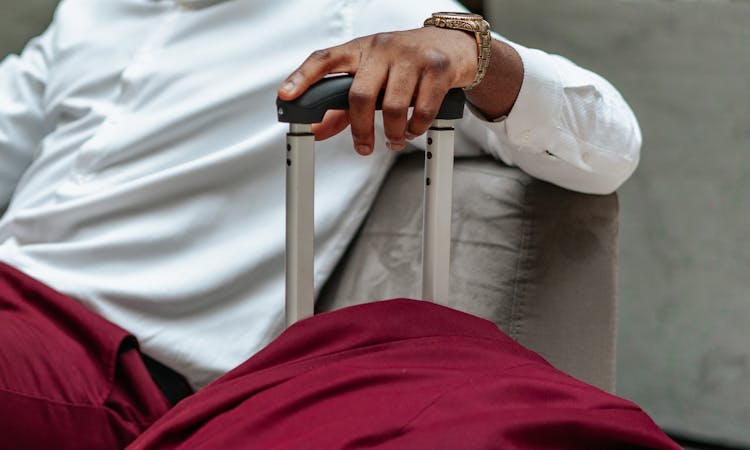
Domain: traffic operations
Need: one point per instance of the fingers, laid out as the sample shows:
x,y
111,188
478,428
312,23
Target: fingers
x,y
363,95
402,81
334,122
339,59
432,89
407,65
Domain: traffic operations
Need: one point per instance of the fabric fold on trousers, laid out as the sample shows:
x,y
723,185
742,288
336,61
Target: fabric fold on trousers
x,y
400,374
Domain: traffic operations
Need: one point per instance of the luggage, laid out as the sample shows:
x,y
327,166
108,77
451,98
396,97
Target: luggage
x,y
332,93
392,374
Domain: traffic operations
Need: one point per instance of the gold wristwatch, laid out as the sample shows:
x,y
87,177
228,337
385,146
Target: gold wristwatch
x,y
473,23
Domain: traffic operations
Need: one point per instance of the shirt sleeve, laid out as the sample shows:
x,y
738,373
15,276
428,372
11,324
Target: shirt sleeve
x,y
22,111
568,126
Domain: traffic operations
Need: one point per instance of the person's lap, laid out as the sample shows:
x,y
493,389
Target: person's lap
x,y
395,374
68,378
400,374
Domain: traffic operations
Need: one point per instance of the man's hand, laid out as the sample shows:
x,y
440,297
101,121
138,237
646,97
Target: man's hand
x,y
422,64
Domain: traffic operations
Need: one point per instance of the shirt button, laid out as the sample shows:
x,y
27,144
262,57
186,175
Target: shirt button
x,y
586,157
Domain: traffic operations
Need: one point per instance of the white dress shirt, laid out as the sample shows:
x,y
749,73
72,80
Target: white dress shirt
x,y
143,166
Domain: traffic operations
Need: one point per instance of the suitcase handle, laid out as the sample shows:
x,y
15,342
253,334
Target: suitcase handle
x,y
309,108
333,93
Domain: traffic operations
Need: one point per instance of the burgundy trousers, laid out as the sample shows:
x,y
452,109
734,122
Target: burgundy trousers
x,y
68,378
399,374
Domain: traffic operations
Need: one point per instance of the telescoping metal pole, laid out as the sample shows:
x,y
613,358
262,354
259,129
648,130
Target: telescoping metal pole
x,y
310,107
300,185
438,200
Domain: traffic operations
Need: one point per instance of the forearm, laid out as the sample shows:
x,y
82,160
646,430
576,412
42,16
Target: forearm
x,y
564,124
568,126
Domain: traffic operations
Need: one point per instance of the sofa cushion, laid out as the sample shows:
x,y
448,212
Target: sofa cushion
x,y
537,260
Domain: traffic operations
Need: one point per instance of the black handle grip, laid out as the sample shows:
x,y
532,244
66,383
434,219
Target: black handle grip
x,y
333,93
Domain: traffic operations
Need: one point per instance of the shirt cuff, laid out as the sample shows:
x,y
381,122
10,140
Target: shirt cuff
x,y
534,120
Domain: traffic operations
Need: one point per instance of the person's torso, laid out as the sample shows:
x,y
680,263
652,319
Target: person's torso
x,y
157,198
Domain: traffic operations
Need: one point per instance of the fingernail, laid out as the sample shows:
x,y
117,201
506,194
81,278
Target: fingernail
x,y
395,146
410,136
287,86
363,149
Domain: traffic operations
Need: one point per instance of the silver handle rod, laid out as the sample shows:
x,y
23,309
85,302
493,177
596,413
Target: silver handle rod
x,y
438,199
300,227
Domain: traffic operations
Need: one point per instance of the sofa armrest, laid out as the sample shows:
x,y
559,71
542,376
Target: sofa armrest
x,y
536,259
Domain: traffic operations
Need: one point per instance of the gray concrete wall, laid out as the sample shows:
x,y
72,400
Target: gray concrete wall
x,y
684,311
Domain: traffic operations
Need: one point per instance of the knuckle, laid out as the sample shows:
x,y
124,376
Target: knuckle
x,y
360,97
321,55
424,113
394,111
298,74
383,39
436,61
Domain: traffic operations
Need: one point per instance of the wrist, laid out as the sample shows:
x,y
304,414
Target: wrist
x,y
496,95
468,61
478,27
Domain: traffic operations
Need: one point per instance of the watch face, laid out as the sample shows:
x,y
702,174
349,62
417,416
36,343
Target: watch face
x,y
457,15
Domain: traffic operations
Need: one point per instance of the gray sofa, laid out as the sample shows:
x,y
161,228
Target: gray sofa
x,y
537,260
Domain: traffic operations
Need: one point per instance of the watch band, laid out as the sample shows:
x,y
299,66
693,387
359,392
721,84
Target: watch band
x,y
473,23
